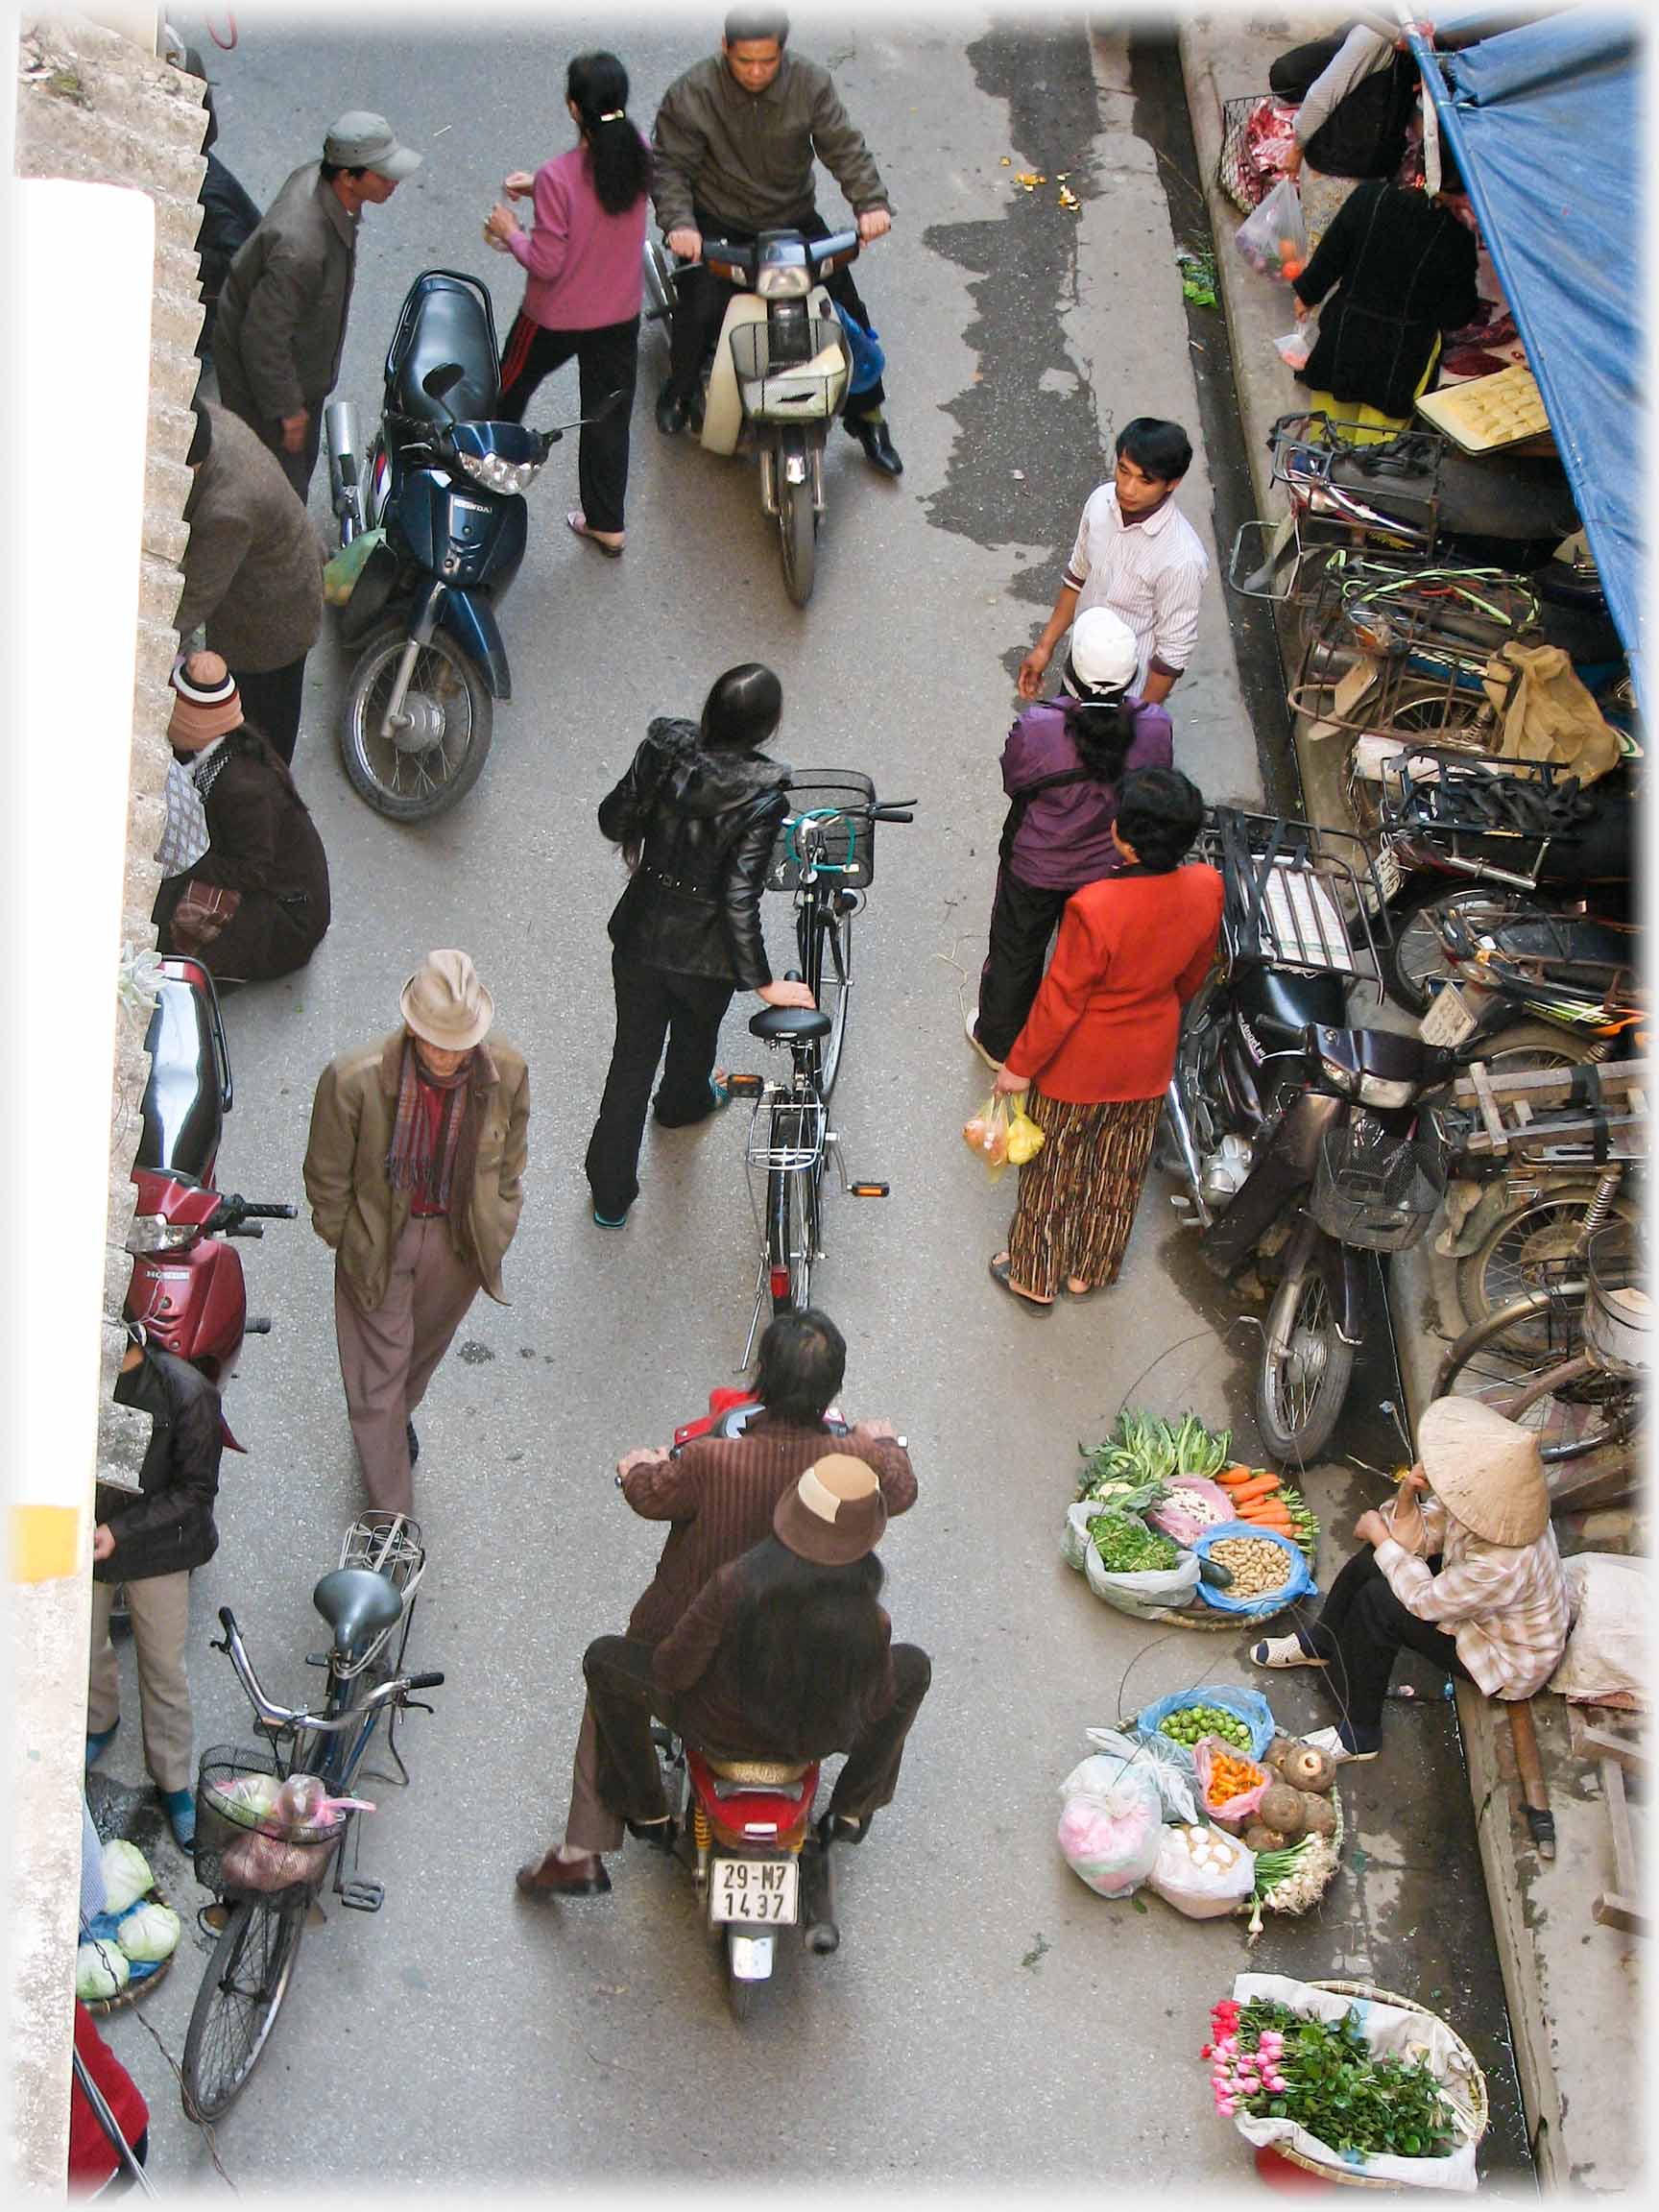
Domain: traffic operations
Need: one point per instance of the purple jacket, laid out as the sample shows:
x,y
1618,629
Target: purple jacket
x,y
1066,840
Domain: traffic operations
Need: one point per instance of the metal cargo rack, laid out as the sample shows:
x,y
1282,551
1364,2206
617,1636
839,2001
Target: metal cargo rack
x,y
1557,1117
1296,896
1455,803
1349,490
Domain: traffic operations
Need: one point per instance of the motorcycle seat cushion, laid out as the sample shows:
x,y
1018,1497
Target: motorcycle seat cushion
x,y
755,1773
447,324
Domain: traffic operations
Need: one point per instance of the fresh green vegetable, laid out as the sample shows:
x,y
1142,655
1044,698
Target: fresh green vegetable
x,y
1189,1722
1128,1546
1339,2090
126,1875
148,1932
100,1970
1144,1451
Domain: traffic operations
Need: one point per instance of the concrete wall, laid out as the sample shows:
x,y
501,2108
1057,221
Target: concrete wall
x,y
98,107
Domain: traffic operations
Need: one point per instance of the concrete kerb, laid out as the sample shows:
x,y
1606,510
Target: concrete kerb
x,y
1220,62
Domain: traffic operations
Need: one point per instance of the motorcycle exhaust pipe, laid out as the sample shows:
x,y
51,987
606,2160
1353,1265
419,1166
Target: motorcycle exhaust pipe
x,y
819,1932
345,466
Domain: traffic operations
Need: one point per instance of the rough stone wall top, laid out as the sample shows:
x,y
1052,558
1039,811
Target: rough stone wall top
x,y
93,107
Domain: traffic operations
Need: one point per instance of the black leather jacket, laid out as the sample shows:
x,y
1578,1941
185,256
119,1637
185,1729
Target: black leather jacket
x,y
706,823
169,1527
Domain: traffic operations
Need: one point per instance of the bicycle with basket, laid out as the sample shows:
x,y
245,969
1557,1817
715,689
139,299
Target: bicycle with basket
x,y
273,1819
825,858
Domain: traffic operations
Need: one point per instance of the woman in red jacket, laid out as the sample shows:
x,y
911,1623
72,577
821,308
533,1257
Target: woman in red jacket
x,y
1098,1048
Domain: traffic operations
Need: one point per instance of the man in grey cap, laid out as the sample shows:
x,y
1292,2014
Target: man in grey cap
x,y
281,324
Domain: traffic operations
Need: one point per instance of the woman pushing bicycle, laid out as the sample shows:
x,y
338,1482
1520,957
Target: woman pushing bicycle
x,y
696,816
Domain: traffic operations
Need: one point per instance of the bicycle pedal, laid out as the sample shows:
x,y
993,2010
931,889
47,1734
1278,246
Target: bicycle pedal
x,y
316,1658
745,1086
869,1191
360,1896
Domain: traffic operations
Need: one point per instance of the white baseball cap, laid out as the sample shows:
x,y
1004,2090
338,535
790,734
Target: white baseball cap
x,y
1104,655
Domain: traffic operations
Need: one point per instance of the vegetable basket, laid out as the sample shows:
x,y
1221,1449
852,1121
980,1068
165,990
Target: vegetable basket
x,y
231,1819
1299,1582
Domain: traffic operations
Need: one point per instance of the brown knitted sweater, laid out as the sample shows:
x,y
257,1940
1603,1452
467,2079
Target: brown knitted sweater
x,y
720,1495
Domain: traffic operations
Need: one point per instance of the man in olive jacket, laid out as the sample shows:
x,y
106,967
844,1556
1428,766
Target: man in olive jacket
x,y
252,572
734,142
415,1173
281,324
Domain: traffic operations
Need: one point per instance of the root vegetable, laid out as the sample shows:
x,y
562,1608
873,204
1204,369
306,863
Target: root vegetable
x,y
1259,1838
1273,1758
1318,1814
1281,1808
1305,1767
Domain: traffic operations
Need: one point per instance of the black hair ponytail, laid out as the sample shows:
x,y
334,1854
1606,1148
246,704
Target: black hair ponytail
x,y
1102,730
597,86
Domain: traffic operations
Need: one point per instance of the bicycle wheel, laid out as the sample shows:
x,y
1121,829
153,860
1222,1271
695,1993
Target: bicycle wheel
x,y
1503,1360
826,963
792,1235
240,1997
1414,959
1531,1247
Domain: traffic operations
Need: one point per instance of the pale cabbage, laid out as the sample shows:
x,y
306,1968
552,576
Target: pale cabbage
x,y
126,1875
148,1932
100,1970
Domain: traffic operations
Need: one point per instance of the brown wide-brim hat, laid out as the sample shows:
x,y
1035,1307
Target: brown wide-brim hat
x,y
835,1514
1485,1470
444,1002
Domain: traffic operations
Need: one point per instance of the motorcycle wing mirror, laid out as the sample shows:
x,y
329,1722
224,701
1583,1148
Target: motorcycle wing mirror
x,y
438,383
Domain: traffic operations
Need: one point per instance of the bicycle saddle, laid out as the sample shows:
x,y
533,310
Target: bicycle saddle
x,y
775,1023
356,1604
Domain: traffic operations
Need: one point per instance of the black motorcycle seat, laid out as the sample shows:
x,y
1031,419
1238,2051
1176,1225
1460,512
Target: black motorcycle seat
x,y
356,1604
446,323
777,1023
1279,1003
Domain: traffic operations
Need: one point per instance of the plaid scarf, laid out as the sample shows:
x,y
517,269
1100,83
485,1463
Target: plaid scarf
x,y
413,1162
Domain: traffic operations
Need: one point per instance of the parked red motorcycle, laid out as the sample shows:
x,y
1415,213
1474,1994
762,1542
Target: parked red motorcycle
x,y
186,1286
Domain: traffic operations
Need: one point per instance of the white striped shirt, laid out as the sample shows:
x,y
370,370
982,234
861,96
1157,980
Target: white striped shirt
x,y
1505,1606
1151,573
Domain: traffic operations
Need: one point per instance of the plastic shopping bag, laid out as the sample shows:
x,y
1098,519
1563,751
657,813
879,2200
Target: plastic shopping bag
x,y
1273,239
340,576
1110,1823
1162,1760
1238,1809
1201,1871
1148,1591
987,1134
1025,1140
1294,348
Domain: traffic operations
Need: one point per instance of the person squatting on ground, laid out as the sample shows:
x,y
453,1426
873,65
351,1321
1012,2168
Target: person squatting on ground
x,y
784,1653
718,1497
1467,1573
244,877
696,816
252,574
149,1543
282,312
734,142
1097,1054
1061,768
1138,554
414,1174
584,262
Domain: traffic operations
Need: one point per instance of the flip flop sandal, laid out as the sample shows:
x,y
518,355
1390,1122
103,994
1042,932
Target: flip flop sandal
x,y
720,1090
999,1275
578,522
1282,1651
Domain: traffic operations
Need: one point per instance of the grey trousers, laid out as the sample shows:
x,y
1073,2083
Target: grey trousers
x,y
160,1609
386,1357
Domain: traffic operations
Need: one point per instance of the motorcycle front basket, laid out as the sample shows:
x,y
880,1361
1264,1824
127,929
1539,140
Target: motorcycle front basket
x,y
776,390
1371,1189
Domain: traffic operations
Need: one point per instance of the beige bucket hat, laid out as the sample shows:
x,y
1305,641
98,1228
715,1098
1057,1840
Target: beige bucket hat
x,y
835,1514
1485,1470
444,1002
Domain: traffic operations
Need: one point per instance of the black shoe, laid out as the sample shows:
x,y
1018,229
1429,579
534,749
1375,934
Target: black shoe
x,y
555,1877
413,1440
877,444
838,1828
673,412
661,1834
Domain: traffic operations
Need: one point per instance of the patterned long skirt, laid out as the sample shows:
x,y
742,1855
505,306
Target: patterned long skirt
x,y
1077,1198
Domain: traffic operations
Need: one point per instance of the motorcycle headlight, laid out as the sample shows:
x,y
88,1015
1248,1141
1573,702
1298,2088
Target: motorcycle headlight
x,y
155,1233
1378,1091
498,475
788,283
1344,1081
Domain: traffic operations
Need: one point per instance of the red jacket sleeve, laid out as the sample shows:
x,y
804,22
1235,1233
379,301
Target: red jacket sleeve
x,y
1082,961
1198,966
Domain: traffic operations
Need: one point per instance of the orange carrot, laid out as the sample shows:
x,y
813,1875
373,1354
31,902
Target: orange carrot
x,y
1258,1487
1266,1514
1230,1478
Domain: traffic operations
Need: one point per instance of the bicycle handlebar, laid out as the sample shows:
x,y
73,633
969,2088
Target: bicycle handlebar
x,y
287,1715
423,1682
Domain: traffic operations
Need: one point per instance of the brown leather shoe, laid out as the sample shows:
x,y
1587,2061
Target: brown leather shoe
x,y
554,1877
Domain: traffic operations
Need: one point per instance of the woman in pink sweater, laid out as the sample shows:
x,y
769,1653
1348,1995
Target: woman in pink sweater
x,y
585,260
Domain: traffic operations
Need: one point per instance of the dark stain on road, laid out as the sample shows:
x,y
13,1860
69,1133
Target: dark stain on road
x,y
476,1354
1024,265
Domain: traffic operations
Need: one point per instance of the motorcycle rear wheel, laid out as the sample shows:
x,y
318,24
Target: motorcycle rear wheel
x,y
1414,959
1299,1397
449,692
798,540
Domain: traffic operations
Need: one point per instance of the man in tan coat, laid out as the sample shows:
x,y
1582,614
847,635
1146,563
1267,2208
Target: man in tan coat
x,y
414,1174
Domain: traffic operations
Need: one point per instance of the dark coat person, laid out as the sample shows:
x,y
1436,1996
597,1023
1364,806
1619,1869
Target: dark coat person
x,y
252,572
262,846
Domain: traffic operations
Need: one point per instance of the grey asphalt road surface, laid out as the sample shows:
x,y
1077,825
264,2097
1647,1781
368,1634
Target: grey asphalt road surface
x,y
986,2015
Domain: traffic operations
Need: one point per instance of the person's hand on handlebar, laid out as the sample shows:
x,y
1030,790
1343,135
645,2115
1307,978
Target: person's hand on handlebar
x,y
783,992
686,241
874,223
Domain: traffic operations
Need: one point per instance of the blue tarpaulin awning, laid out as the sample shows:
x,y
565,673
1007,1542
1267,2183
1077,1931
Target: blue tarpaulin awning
x,y
1545,123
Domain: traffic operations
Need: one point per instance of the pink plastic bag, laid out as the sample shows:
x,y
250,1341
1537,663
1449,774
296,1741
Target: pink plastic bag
x,y
1233,1811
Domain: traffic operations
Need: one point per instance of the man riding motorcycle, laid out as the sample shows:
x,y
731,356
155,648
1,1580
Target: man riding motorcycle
x,y
735,141
720,1495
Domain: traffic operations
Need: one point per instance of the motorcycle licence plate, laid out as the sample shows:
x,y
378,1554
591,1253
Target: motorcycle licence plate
x,y
1448,1019
760,1890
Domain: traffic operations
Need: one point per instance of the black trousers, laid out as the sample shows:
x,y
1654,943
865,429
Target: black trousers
x,y
652,1004
700,301
623,1700
1023,917
272,700
1293,74
606,361
1361,1629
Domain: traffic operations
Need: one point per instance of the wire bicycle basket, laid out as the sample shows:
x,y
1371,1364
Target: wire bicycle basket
x,y
1349,491
1371,1187
242,1845
842,840
808,390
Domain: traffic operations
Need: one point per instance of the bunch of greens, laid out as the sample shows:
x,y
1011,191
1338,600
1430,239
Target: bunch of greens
x,y
1144,1451
1128,1546
1336,2088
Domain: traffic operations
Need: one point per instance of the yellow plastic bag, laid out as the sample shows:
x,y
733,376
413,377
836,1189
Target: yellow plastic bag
x,y
1025,1140
987,1134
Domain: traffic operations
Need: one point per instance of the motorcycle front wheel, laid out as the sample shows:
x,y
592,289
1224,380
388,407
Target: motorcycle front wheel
x,y
1300,1393
798,539
434,762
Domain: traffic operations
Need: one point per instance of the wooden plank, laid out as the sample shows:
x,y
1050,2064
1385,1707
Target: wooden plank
x,y
1617,1907
1488,1105
1631,1756
1545,1086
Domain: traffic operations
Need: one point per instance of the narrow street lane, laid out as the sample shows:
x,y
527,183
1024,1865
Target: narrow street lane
x,y
986,2017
